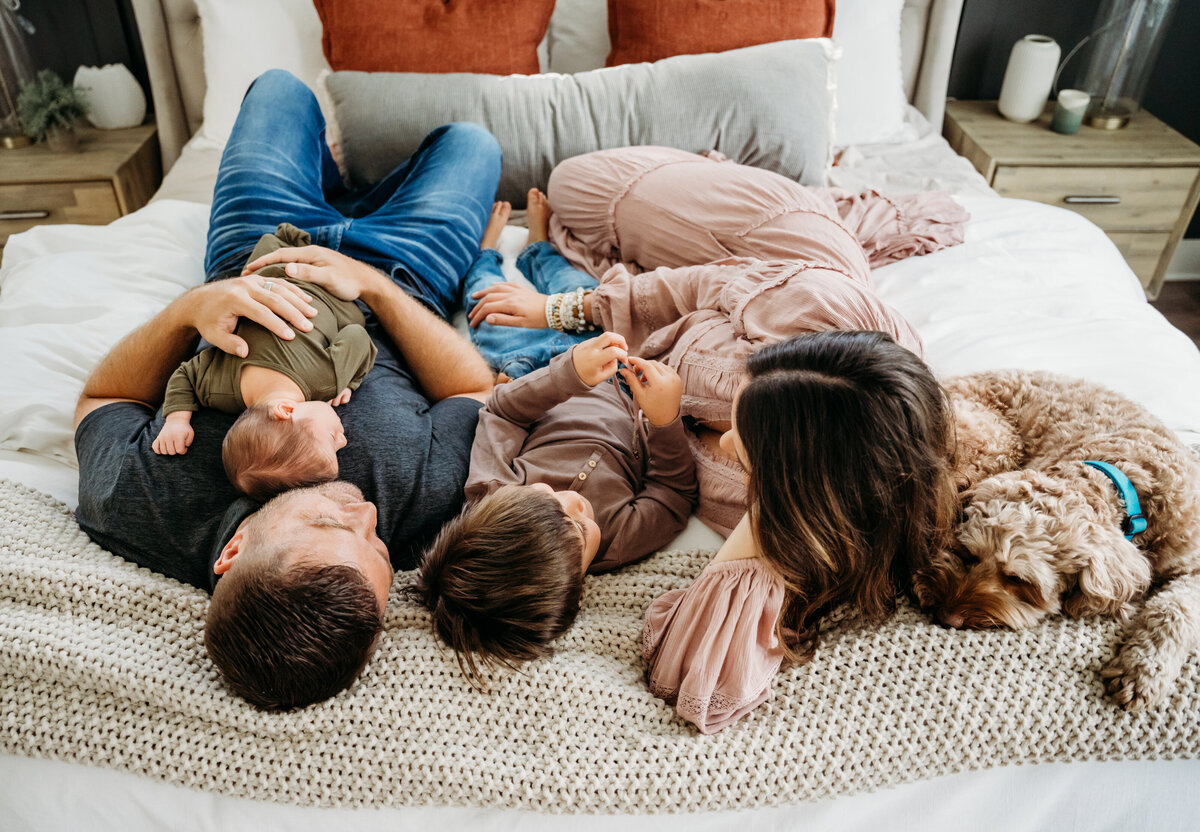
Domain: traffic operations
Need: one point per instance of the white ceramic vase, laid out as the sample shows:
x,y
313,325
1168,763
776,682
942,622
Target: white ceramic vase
x,y
115,98
1028,78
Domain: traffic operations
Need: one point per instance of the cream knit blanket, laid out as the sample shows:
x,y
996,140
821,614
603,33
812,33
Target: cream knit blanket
x,y
102,663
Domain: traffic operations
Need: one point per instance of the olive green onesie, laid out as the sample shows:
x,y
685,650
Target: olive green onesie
x,y
334,355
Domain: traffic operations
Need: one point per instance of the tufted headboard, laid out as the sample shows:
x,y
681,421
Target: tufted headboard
x,y
170,32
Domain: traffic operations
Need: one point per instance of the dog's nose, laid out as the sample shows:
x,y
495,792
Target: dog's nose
x,y
952,619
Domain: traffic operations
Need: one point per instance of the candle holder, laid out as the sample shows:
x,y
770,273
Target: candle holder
x,y
1125,44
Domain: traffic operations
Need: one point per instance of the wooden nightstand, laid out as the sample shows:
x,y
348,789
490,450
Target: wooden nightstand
x,y
1140,184
114,172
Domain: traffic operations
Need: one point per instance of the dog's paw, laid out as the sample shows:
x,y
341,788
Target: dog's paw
x,y
1135,681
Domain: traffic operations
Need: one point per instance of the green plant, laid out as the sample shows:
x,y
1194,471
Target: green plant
x,y
46,104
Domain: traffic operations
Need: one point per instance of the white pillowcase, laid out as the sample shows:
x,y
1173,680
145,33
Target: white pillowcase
x,y
244,39
870,90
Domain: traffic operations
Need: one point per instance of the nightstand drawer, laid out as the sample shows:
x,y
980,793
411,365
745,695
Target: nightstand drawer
x,y
24,206
1141,251
1116,199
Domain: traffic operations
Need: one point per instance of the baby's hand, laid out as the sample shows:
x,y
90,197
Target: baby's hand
x,y
656,388
340,398
596,358
176,434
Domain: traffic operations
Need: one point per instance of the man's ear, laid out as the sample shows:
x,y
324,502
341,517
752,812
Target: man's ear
x,y
231,550
282,411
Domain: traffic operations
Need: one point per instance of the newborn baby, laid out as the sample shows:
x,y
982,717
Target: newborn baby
x,y
288,433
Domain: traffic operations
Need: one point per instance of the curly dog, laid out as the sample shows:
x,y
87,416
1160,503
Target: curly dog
x,y
1041,532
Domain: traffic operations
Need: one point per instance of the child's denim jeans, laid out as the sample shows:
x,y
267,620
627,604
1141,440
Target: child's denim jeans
x,y
516,350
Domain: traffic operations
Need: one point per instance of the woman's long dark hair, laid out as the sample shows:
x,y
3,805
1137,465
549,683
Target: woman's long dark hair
x,y
847,437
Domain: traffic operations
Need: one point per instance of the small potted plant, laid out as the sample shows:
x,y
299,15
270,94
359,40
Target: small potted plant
x,y
49,110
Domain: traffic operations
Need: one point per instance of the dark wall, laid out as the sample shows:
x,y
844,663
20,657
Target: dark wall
x,y
989,29
71,33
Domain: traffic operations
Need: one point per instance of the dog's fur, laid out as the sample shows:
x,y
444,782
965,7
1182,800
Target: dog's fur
x,y
1040,532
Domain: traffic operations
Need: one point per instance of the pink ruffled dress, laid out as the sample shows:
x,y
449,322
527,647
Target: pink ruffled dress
x,y
711,649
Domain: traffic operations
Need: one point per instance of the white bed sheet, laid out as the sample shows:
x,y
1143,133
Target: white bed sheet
x,y
1033,286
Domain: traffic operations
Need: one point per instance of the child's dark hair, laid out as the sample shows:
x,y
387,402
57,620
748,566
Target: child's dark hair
x,y
503,579
848,438
264,456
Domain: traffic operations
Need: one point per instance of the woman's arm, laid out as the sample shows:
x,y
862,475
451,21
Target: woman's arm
x,y
740,544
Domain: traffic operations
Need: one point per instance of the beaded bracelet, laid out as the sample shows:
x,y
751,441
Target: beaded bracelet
x,y
553,319
564,312
568,313
578,321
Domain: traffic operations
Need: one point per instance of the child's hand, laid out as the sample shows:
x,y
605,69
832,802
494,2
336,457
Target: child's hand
x,y
656,388
596,358
340,398
176,434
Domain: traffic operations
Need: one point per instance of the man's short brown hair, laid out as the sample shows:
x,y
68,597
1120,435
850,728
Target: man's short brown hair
x,y
285,636
265,456
503,579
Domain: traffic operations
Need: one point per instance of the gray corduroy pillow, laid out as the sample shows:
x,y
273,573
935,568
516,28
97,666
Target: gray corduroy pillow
x,y
768,106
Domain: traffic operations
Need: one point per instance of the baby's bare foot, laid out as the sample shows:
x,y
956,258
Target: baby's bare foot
x,y
537,214
496,223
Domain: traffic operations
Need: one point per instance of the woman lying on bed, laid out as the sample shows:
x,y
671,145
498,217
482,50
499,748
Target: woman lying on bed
x,y
779,259
831,434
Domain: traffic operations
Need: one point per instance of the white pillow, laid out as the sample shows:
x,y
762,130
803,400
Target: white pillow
x,y
870,88
578,35
242,40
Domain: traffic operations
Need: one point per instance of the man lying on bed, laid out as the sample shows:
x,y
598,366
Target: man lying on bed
x,y
299,585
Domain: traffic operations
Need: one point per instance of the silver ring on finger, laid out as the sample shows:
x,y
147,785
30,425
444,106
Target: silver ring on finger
x,y
268,285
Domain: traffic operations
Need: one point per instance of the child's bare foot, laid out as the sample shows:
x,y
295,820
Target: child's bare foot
x,y
496,223
537,214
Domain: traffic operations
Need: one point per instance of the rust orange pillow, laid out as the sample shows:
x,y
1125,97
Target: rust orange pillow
x,y
500,38
648,31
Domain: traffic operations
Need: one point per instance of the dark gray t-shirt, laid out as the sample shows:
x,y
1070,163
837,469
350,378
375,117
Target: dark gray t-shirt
x,y
174,514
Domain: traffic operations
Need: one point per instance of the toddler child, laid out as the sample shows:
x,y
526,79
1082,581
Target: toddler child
x,y
288,434
569,474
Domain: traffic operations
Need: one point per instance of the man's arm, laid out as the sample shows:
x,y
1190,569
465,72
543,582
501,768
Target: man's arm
x,y
445,363
137,369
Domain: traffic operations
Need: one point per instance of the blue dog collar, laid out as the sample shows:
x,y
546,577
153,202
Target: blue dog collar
x,y
1135,521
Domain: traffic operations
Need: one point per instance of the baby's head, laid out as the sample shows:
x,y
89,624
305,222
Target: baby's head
x,y
504,578
275,447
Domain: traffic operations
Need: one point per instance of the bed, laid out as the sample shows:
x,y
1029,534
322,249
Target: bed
x,y
1033,287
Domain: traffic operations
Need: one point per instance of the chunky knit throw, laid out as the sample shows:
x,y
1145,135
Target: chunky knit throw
x,y
102,663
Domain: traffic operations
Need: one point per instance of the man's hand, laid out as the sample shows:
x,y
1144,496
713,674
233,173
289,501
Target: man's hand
x,y
344,276
215,308
656,388
341,398
596,358
176,434
509,304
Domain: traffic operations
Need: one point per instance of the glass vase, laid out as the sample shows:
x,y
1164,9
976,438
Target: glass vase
x,y
1128,35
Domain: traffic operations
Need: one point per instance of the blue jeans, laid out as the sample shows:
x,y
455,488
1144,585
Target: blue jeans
x,y
421,224
516,350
